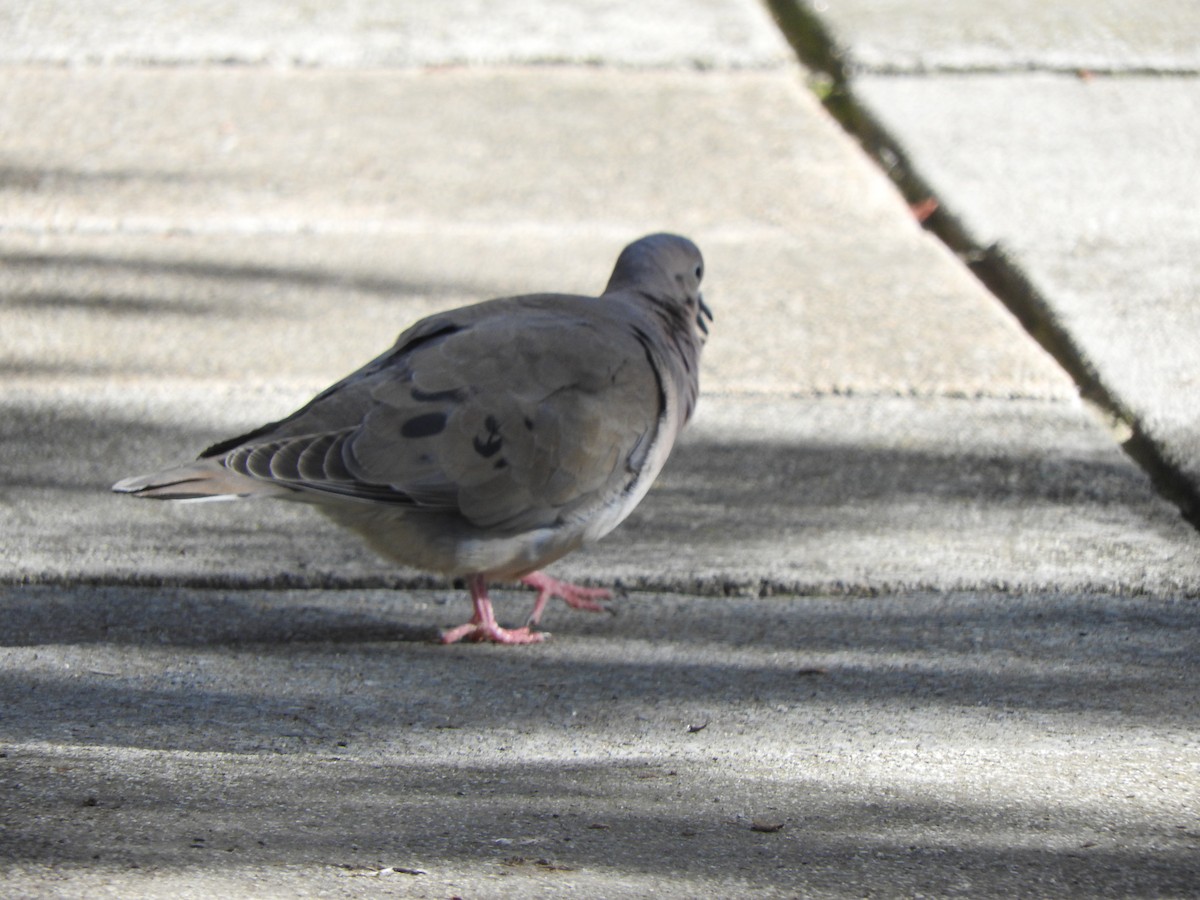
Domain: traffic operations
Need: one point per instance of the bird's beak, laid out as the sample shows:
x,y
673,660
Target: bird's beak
x,y
705,313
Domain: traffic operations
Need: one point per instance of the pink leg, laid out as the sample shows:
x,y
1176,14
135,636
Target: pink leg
x,y
577,597
483,627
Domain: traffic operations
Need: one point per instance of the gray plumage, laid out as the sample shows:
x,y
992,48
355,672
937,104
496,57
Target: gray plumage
x,y
493,439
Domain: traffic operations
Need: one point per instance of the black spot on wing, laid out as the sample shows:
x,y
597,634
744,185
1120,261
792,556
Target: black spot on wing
x,y
424,425
490,444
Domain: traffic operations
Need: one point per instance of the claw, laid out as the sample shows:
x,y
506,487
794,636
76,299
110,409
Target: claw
x,y
576,597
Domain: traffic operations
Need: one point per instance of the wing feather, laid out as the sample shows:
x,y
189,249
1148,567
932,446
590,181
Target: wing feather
x,y
513,417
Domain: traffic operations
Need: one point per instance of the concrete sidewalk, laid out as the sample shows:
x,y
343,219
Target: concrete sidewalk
x,y
1061,142
901,616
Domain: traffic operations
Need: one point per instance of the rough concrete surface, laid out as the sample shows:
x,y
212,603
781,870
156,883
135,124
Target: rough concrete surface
x,y
252,211
899,619
185,744
1068,139
1060,173
763,494
924,36
369,33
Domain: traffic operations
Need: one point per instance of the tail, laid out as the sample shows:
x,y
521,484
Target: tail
x,y
205,479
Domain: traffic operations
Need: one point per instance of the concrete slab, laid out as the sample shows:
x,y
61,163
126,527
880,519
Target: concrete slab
x,y
249,151
249,216
190,251
370,33
919,36
872,421
765,495
153,318
295,744
1086,186
301,312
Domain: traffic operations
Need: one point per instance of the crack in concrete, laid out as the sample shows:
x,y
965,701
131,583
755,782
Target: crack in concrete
x,y
831,82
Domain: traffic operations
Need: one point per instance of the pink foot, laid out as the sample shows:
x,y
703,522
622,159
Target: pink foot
x,y
483,627
576,597
480,631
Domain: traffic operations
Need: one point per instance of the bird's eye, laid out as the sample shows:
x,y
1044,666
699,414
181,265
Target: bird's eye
x,y
699,272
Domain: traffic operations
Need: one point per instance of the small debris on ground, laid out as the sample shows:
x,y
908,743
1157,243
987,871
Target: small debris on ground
x,y
923,209
541,863
766,826
386,870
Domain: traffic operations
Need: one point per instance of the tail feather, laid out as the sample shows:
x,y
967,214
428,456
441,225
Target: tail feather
x,y
205,479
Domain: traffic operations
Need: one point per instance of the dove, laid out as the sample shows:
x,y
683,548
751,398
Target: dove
x,y
493,439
